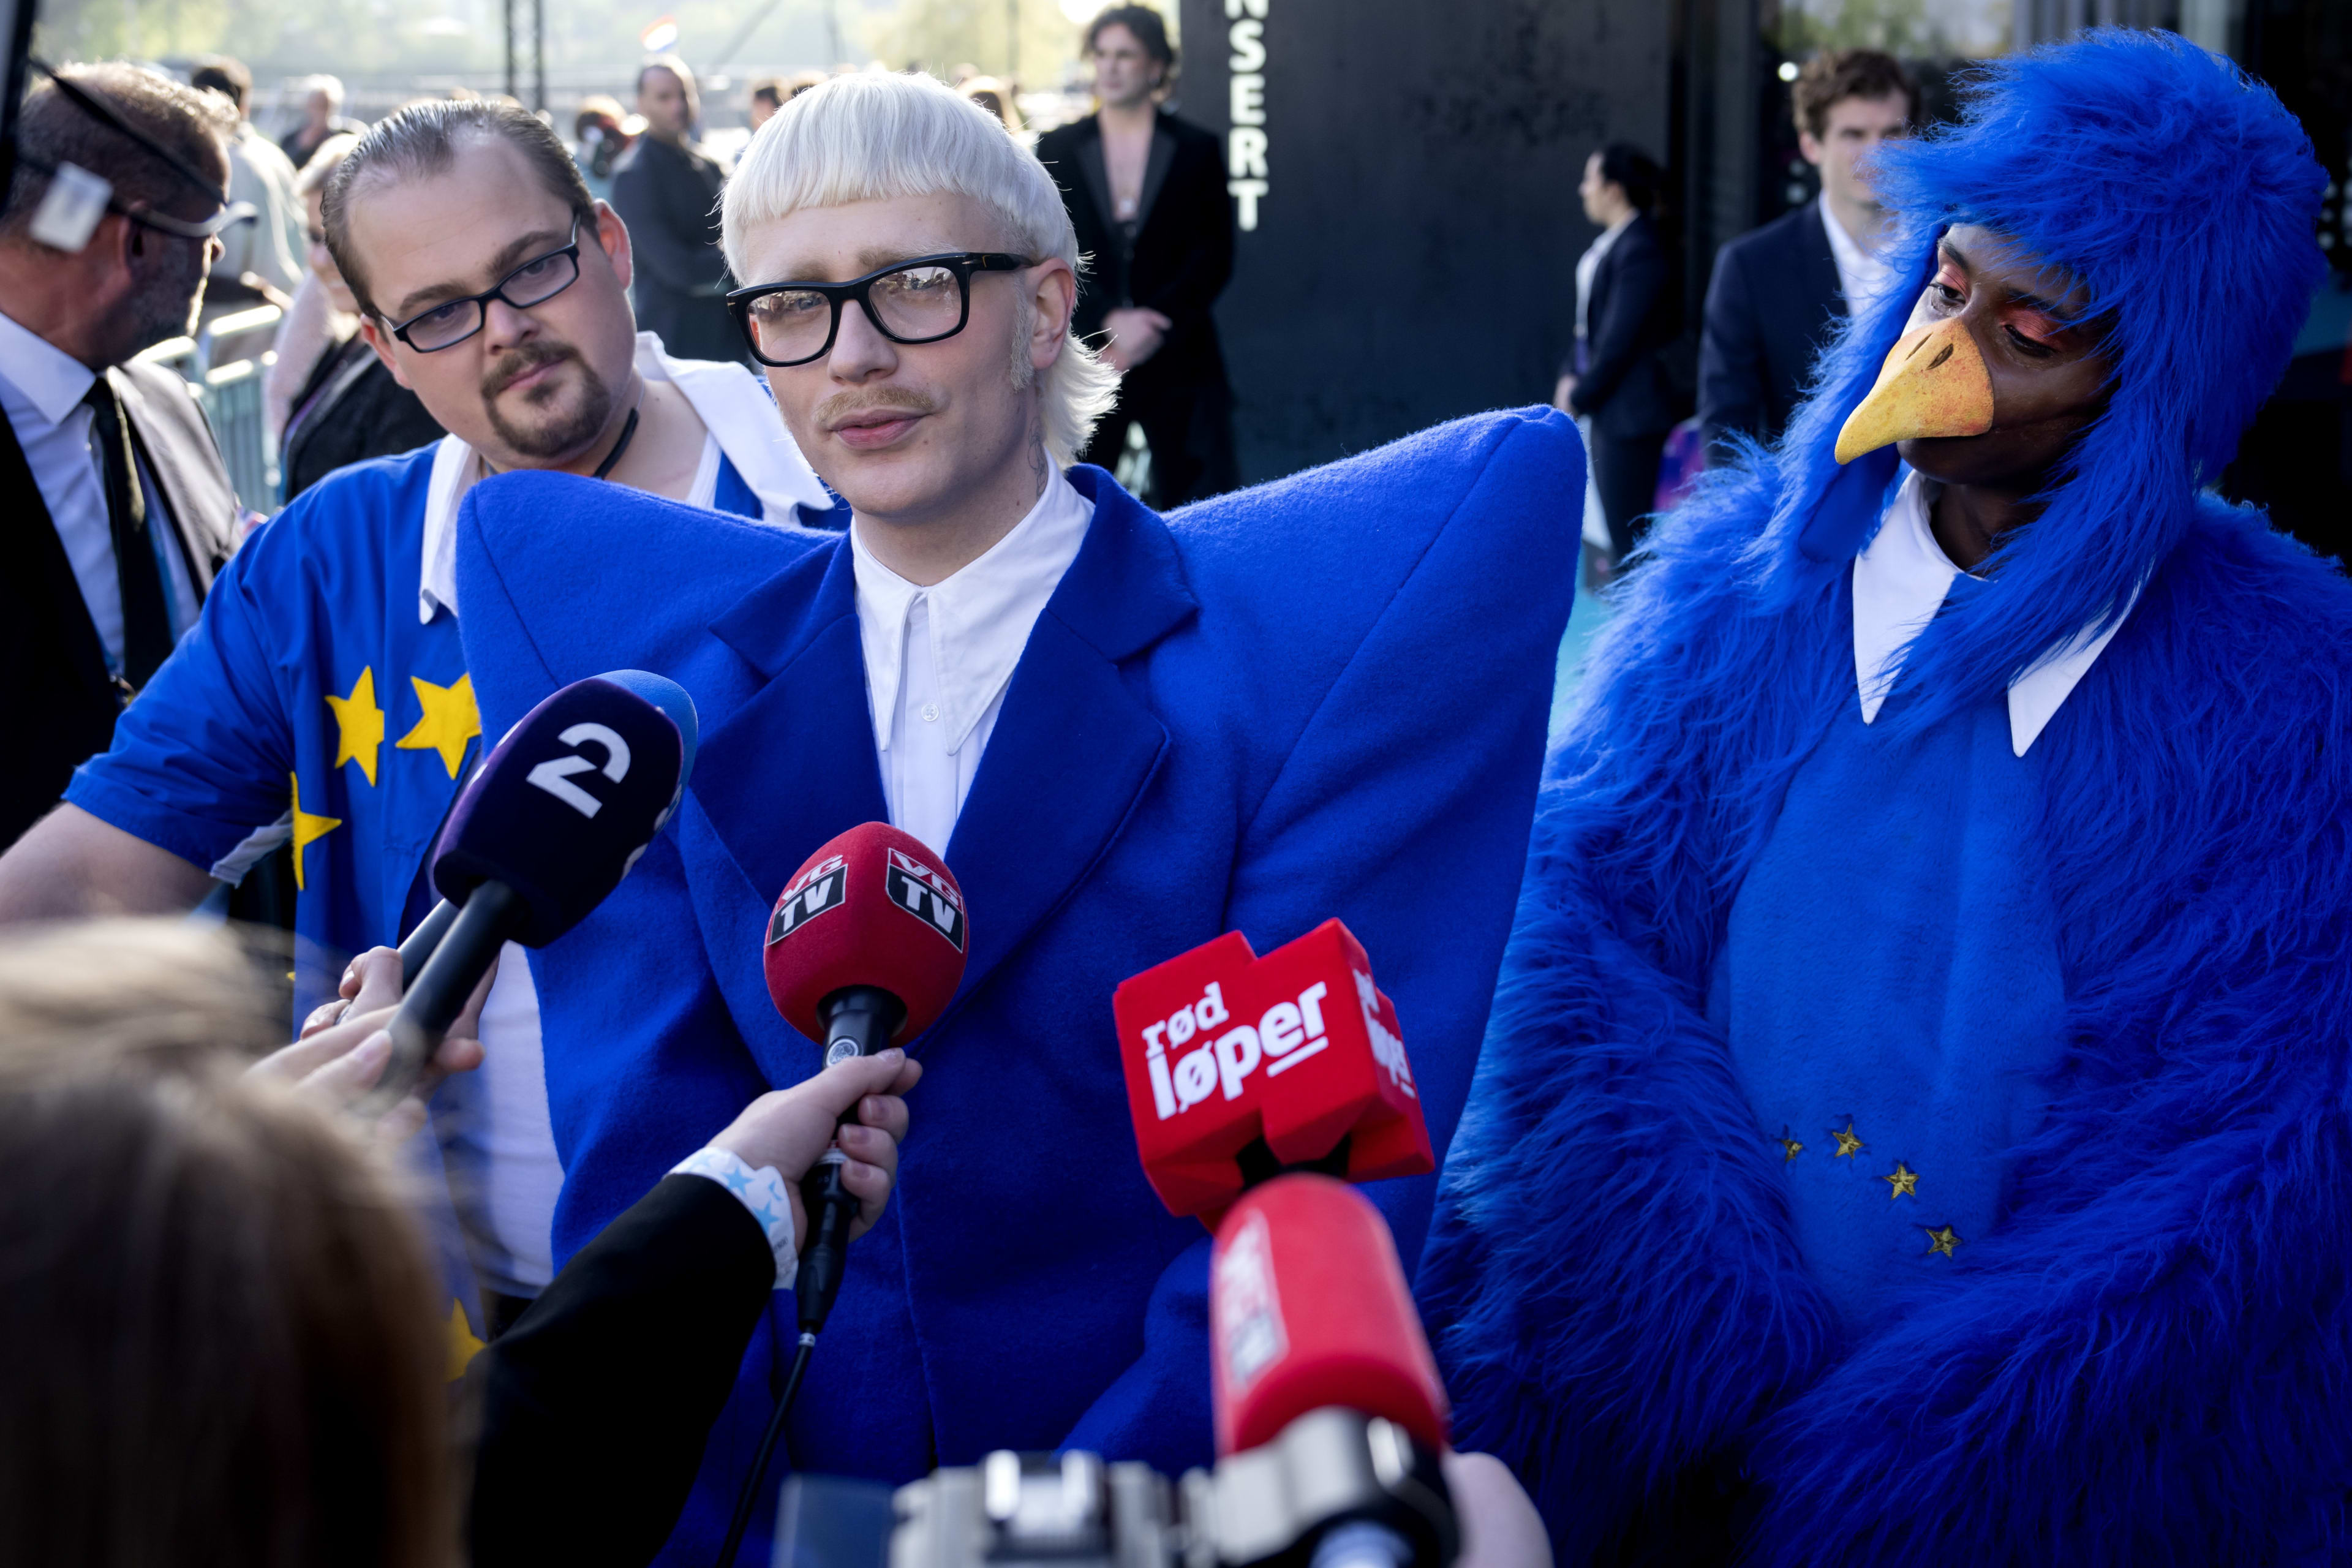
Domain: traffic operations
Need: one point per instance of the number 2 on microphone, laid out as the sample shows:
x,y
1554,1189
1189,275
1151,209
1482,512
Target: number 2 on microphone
x,y
554,776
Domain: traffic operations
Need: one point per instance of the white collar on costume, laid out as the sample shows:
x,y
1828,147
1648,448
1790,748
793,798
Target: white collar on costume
x,y
1898,584
980,618
733,406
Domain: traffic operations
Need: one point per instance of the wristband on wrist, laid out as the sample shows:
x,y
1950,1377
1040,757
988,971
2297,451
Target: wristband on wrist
x,y
762,1193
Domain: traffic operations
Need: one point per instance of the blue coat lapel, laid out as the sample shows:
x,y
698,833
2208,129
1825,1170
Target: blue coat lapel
x,y
1072,751
1074,747
795,764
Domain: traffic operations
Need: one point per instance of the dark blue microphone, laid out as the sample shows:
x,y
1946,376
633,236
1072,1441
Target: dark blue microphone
x,y
541,835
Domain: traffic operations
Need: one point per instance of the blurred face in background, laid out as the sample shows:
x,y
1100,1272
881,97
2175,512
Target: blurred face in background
x,y
321,109
662,99
322,260
1604,200
537,385
1125,76
1851,131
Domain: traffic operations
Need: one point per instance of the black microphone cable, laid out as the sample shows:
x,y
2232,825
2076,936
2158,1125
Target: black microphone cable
x,y
859,1021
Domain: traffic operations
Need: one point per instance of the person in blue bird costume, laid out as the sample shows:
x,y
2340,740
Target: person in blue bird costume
x,y
1913,1125
1326,697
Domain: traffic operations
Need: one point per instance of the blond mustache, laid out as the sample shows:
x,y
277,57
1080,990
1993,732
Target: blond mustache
x,y
841,405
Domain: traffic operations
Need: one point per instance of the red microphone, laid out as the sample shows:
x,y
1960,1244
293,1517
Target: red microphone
x,y
1308,1310
1226,1051
866,948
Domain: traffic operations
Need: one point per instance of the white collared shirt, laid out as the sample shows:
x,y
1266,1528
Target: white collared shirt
x,y
739,421
1861,273
41,389
1898,584
1588,263
938,660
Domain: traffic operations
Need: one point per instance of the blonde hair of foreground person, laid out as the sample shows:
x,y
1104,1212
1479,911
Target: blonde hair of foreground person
x,y
874,136
216,1334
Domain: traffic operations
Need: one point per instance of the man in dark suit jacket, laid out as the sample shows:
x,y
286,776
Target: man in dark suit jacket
x,y
1779,292
667,190
1626,313
113,501
1146,192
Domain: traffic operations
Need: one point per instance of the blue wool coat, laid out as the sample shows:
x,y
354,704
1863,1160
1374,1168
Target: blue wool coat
x,y
1323,697
2147,1357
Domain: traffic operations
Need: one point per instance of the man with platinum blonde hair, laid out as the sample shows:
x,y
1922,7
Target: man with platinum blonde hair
x,y
1126,735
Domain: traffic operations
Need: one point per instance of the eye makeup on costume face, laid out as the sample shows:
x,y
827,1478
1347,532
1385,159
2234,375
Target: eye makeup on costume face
x,y
2030,329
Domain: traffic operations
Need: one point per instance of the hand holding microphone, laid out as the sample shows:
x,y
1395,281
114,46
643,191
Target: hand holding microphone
x,y
338,1059
854,1104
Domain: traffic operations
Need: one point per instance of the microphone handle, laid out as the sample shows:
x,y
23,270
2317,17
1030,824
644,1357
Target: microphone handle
x,y
492,914
858,1022
423,940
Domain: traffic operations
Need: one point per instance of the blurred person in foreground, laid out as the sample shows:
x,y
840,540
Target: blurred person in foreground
x,y
1780,294
1146,192
261,259
118,511
1627,312
349,406
666,188
1912,1129
323,116
325,699
1265,739
218,1343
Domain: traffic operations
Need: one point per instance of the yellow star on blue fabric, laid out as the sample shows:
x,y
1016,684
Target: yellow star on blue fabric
x,y
1941,1239
463,1345
1847,1143
450,720
308,829
1790,1144
358,724
1905,1181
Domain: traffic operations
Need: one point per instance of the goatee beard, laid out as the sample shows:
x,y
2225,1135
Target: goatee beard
x,y
559,435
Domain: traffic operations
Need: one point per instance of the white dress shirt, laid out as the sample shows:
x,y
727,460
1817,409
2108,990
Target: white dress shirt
x,y
1861,273
501,1145
938,660
1898,584
41,388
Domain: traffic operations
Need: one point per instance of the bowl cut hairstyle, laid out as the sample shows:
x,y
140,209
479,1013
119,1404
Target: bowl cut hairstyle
x,y
876,137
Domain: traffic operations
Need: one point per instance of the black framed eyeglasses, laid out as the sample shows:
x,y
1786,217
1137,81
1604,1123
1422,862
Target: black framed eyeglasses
x,y
535,282
919,301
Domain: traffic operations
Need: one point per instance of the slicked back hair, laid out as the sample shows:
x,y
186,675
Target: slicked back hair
x,y
421,140
872,137
53,129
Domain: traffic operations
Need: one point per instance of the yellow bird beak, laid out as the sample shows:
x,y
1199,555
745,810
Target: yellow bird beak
x,y
1933,384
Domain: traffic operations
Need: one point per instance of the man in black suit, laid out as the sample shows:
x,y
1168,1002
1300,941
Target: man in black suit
x,y
1626,313
1779,292
1146,192
113,502
666,188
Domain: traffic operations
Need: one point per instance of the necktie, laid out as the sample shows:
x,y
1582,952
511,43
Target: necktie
x,y
146,623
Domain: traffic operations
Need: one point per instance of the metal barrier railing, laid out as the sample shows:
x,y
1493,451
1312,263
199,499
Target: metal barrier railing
x,y
230,393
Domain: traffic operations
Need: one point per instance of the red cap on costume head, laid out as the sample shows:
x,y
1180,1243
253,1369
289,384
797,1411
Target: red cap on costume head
x,y
872,907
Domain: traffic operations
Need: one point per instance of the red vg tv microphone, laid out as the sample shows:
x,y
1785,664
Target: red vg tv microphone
x,y
541,835
1240,1066
865,950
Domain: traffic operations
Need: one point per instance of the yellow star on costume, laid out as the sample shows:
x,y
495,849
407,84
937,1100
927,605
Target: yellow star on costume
x,y
450,720
1790,1144
308,829
1847,1143
463,1346
358,724
1941,1239
1905,1181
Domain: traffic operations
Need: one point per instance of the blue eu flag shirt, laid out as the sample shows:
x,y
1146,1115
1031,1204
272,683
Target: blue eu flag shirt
x,y
323,697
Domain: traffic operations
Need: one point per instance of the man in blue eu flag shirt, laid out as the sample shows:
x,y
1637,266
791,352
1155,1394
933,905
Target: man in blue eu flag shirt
x,y
1324,697
324,694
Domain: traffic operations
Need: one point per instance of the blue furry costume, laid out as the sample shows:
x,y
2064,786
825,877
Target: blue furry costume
x,y
2143,1353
